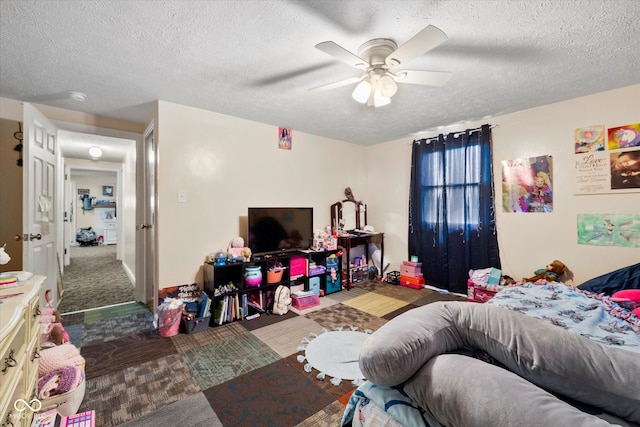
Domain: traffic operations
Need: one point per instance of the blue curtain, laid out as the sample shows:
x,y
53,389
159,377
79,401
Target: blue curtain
x,y
452,225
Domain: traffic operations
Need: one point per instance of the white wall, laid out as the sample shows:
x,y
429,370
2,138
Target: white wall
x,y
527,241
225,165
94,184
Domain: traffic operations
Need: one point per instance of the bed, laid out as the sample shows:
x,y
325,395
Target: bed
x,y
542,353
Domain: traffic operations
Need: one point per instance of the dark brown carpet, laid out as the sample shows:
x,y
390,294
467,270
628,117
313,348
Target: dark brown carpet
x,y
134,349
244,373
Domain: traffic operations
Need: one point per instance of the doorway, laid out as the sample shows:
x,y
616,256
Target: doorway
x,y
99,213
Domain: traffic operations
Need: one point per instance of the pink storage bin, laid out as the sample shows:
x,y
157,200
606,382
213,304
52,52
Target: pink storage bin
x,y
298,266
308,300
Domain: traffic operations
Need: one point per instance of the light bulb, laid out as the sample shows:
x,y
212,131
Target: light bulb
x,y
362,91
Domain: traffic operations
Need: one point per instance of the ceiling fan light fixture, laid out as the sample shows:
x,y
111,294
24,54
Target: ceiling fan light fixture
x,y
362,91
379,100
95,152
388,86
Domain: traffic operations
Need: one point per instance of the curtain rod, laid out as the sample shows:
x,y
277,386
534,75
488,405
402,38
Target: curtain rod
x,y
455,134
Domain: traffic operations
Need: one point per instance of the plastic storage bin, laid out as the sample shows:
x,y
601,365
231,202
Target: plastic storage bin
x,y
304,300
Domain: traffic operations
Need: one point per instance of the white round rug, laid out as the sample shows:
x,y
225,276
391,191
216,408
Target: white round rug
x,y
336,354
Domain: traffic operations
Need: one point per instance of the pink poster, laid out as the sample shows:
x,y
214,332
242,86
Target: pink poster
x,y
527,185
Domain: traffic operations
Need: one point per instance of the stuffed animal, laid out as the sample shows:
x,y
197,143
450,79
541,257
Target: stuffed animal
x,y
235,247
551,273
246,254
4,257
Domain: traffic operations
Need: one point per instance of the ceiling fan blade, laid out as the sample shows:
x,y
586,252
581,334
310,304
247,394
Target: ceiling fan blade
x,y
339,83
423,77
427,39
342,54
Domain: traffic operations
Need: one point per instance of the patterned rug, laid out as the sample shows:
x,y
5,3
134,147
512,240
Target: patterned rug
x,y
94,278
244,373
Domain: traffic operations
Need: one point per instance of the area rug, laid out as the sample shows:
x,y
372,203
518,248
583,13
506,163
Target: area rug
x,y
375,304
334,354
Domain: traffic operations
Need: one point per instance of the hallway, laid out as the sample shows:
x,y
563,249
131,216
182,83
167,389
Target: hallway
x,y
95,278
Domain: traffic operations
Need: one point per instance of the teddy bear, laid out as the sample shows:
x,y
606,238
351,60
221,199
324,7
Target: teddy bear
x,y
246,254
551,273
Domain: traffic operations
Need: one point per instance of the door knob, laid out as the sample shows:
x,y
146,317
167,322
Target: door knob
x,y
143,226
28,237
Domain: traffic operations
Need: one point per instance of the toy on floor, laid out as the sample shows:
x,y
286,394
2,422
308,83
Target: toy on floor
x,y
551,273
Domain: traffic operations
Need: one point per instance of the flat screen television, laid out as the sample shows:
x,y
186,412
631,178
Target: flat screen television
x,y
279,229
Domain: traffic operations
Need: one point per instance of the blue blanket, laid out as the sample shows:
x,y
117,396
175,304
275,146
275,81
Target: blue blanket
x,y
593,316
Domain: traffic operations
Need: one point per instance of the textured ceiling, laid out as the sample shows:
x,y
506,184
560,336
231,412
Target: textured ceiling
x,y
256,59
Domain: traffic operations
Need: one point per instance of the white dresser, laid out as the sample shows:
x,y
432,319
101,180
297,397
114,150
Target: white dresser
x,y
110,232
19,350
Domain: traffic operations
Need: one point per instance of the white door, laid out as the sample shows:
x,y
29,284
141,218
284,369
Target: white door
x,y
38,200
68,212
145,228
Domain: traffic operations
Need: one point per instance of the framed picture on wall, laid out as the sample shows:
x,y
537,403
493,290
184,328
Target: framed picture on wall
x,y
107,190
83,191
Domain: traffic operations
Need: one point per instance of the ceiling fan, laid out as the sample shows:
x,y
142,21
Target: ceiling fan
x,y
382,59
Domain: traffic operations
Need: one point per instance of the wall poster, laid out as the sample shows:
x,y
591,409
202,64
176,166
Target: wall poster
x,y
527,185
284,138
607,168
609,230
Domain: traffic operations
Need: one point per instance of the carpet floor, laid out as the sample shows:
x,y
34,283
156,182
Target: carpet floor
x,y
94,278
244,373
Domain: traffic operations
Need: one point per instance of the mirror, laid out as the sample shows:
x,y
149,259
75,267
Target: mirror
x,y
352,214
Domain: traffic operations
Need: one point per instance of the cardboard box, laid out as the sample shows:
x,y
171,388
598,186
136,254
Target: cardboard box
x,y
411,270
412,282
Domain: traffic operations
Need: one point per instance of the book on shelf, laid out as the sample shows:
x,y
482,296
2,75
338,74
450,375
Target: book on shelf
x,y
203,305
219,310
255,306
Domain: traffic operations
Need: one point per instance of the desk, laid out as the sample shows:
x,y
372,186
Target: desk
x,y
357,239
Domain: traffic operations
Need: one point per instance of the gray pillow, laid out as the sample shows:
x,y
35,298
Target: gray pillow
x,y
548,356
463,391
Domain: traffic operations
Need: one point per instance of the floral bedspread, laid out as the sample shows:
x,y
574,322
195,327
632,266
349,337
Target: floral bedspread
x,y
593,316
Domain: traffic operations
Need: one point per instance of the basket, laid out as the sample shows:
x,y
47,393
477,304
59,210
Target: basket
x,y
169,321
274,276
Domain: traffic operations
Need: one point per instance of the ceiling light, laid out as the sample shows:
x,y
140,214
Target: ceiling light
x,y
379,100
95,152
388,86
362,91
77,96
376,90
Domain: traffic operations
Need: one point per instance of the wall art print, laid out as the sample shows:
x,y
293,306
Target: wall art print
x,y
527,185
624,136
284,138
589,139
609,230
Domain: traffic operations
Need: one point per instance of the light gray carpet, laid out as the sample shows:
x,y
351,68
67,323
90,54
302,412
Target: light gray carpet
x,y
95,278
